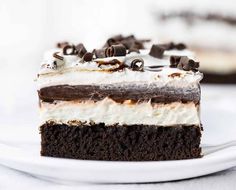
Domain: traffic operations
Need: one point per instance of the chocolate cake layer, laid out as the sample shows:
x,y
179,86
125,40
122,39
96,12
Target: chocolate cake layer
x,y
119,93
123,143
219,78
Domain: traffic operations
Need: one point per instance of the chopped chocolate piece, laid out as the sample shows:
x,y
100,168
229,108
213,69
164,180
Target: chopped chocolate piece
x,y
127,43
81,50
100,53
87,57
137,64
69,50
62,44
180,46
174,60
167,46
115,50
183,63
55,55
172,45
138,45
156,51
114,40
133,50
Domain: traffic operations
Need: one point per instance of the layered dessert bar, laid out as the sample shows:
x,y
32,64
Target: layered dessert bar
x,y
120,102
208,27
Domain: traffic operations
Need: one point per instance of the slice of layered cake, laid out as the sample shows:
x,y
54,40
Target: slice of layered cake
x,y
120,102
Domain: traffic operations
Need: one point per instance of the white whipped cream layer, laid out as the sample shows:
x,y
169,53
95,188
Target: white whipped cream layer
x,y
75,73
110,112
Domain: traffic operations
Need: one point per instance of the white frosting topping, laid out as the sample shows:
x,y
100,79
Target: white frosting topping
x,y
75,73
111,112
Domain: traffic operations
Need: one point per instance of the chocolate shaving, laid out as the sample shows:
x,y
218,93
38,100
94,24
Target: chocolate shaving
x,y
133,50
167,46
115,50
62,44
114,40
128,41
183,63
55,55
172,45
69,50
156,51
174,60
180,46
137,64
87,57
81,50
100,53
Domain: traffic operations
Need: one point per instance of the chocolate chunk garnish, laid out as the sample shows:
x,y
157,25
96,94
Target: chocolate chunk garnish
x,y
167,46
128,41
100,53
156,51
172,45
133,50
137,64
180,46
81,50
114,40
174,60
69,50
183,63
87,57
62,44
55,55
115,50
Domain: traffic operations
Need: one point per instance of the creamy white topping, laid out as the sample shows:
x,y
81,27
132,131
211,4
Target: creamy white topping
x,y
75,73
110,112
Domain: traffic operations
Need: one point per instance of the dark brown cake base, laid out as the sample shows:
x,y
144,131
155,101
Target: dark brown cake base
x,y
123,143
219,79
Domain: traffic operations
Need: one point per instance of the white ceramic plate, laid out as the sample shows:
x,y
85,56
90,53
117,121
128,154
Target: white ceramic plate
x,y
218,113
